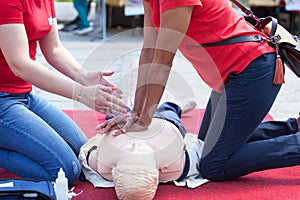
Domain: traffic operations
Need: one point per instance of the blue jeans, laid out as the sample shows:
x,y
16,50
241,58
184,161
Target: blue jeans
x,y
82,10
236,143
37,138
172,113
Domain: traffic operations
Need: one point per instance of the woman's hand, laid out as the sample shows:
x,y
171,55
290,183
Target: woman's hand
x,y
100,94
101,98
89,78
122,124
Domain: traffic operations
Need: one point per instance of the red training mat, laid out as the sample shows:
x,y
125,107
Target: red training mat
x,y
276,184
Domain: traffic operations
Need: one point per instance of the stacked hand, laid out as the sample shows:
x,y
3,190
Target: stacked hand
x,y
122,124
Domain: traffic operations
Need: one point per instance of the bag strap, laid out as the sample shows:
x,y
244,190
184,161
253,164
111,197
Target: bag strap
x,y
260,22
234,40
264,21
245,10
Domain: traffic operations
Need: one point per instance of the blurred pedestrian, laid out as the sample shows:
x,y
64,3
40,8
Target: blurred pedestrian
x,y
82,8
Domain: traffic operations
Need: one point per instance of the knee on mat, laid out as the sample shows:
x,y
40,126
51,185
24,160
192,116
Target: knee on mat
x,y
211,173
72,171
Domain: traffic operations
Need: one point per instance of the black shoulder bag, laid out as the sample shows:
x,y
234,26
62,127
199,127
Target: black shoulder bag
x,y
278,37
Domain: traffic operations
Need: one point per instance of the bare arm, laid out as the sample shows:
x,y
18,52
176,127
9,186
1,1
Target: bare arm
x,y
156,59
146,57
61,59
174,24
14,45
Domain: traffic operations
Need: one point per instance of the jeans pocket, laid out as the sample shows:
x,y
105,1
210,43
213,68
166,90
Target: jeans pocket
x,y
236,80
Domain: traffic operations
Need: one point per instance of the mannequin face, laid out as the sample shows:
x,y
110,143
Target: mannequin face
x,y
136,175
138,146
137,152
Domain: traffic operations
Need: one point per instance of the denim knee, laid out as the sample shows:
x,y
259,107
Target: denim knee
x,y
72,171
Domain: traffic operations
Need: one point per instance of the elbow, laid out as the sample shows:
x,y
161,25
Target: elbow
x,y
51,54
164,57
16,70
19,68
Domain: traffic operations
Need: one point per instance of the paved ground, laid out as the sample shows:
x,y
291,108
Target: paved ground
x,y
120,51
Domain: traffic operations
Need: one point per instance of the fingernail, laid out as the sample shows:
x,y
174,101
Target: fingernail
x,y
113,88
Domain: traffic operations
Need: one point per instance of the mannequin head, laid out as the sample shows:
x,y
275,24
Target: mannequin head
x,y
136,176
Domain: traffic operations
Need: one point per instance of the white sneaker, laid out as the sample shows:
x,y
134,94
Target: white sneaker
x,y
84,31
188,106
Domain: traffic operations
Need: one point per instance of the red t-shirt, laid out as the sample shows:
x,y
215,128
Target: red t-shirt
x,y
36,15
213,21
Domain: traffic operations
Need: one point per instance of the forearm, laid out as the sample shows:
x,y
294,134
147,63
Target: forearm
x,y
140,93
61,59
155,64
166,43
156,81
45,79
154,69
14,45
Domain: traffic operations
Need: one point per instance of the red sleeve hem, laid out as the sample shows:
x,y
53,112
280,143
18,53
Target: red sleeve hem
x,y
168,5
11,21
11,11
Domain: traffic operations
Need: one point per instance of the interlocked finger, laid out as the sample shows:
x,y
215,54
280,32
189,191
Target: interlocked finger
x,y
118,121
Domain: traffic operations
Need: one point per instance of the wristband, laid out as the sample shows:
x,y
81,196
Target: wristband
x,y
79,95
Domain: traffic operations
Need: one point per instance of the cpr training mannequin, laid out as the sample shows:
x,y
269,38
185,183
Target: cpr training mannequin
x,y
136,162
